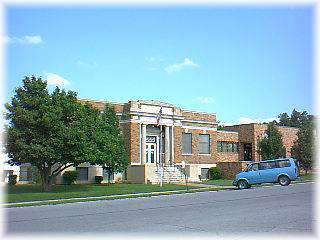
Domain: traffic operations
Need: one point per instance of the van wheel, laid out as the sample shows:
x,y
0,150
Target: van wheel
x,y
284,181
242,184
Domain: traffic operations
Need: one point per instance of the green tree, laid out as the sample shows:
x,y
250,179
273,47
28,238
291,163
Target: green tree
x,y
271,145
220,127
303,148
53,131
117,159
296,119
284,119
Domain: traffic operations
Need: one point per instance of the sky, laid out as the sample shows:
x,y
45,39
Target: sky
x,y
243,63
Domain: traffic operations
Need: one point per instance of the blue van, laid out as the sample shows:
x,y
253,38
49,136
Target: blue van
x,y
281,171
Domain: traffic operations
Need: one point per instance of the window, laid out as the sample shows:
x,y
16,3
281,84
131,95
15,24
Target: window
x,y
267,165
229,147
204,173
26,174
284,163
186,143
235,147
82,173
219,146
204,143
253,167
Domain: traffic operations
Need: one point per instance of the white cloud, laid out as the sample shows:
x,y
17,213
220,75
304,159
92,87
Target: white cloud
x,y
56,80
205,100
153,63
245,120
87,64
177,67
28,40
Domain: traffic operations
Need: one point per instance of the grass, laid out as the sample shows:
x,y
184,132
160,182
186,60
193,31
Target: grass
x,y
307,177
219,182
112,197
32,192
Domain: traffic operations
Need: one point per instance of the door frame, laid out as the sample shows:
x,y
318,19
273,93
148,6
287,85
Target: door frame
x,y
156,149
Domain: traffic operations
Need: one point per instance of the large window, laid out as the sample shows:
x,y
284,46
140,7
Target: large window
x,y
229,147
204,143
82,173
186,143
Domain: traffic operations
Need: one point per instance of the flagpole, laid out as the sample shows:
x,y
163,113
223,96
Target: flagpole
x,y
161,166
160,147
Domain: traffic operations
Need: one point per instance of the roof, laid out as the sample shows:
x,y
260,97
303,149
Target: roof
x,y
271,160
155,102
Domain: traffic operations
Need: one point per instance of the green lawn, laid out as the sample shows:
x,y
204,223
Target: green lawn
x,y
219,182
307,177
32,192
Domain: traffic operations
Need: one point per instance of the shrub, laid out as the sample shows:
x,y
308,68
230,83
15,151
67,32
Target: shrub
x,y
12,180
98,179
215,173
70,177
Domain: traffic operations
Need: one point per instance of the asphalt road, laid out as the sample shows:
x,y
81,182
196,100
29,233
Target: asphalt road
x,y
272,209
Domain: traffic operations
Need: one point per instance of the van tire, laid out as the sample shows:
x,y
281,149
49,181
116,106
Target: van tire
x,y
284,180
242,184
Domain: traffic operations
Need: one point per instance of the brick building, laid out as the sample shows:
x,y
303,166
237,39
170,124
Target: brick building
x,y
176,135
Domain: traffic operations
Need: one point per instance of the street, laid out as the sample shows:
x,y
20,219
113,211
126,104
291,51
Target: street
x,y
267,209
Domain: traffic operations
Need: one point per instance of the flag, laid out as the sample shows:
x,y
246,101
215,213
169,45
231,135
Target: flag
x,y
159,116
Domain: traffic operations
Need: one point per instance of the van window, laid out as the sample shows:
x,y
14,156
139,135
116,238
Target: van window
x,y
284,163
253,167
267,165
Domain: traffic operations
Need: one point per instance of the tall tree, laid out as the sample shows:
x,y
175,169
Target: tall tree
x,y
271,145
116,160
284,119
296,119
54,131
303,148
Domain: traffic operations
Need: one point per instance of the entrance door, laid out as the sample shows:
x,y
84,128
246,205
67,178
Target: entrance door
x,y
151,156
247,150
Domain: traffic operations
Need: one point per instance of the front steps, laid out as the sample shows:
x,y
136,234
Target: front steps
x,y
171,174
